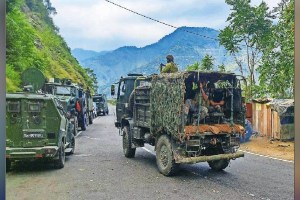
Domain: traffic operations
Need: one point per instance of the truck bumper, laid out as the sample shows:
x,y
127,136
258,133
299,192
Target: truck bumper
x,y
193,160
31,153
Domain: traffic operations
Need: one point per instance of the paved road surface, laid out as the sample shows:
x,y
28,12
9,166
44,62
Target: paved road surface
x,y
98,170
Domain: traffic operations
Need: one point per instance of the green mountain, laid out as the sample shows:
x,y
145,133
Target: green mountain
x,y
32,40
187,44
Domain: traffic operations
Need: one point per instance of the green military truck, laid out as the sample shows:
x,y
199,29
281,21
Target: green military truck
x,y
67,93
37,126
101,104
152,110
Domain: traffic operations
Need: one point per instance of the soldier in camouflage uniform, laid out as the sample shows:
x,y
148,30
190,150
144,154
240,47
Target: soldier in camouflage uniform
x,y
170,67
192,105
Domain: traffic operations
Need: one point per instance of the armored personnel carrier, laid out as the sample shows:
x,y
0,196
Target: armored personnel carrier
x,y
37,126
101,104
153,110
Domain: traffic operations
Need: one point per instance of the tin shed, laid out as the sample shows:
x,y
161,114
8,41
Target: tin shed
x,y
274,118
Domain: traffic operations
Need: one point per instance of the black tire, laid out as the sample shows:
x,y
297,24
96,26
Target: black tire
x,y
83,127
107,112
90,119
86,119
218,165
75,132
8,165
84,124
129,152
164,156
103,113
60,163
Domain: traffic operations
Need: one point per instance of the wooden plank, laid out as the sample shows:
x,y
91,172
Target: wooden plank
x,y
269,130
272,125
255,121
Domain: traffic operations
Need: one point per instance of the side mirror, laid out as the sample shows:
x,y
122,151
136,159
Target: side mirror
x,y
112,90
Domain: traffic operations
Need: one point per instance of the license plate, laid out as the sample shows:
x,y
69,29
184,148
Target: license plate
x,y
33,135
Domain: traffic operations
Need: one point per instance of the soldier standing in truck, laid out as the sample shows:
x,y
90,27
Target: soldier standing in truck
x,y
192,105
170,67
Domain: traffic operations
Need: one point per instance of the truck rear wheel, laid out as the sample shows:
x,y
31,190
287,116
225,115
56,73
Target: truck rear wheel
x,y
218,165
83,123
129,152
75,128
60,163
91,118
164,156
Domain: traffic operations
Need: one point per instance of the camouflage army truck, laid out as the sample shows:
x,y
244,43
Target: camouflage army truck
x,y
67,93
89,106
152,110
37,126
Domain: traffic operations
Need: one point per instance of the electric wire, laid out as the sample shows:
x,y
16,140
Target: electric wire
x,y
158,21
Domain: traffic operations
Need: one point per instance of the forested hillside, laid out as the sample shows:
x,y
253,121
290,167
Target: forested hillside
x,y
32,40
186,48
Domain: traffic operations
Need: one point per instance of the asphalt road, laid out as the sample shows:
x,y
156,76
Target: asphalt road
x,y
98,170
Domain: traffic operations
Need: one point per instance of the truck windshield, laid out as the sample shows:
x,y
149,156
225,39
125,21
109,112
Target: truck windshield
x,y
98,99
63,90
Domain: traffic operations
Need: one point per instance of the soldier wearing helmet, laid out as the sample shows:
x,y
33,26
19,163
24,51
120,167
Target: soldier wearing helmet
x,y
170,67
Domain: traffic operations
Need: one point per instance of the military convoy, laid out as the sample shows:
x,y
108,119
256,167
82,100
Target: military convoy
x,y
152,110
37,124
77,103
42,120
101,104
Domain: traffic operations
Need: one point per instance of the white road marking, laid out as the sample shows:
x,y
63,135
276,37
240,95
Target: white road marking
x,y
290,161
82,155
78,134
91,138
148,150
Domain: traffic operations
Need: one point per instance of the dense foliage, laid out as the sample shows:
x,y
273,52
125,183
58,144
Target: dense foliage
x,y
207,64
262,47
32,40
248,30
277,67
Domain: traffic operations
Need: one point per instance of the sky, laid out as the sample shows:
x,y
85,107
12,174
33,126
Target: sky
x,y
101,26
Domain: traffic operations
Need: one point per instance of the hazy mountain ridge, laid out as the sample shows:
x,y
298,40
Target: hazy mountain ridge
x,y
187,48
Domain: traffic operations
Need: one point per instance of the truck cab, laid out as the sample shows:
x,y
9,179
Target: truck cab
x,y
101,104
124,104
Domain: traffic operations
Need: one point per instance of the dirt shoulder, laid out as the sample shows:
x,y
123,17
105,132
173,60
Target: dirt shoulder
x,y
276,149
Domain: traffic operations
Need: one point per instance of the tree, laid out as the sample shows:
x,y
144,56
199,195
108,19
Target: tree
x,y
193,67
207,63
93,82
248,30
222,68
277,68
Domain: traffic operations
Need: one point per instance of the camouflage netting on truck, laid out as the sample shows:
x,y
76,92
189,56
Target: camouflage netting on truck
x,y
167,97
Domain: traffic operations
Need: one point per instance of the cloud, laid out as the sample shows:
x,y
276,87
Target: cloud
x,y
99,25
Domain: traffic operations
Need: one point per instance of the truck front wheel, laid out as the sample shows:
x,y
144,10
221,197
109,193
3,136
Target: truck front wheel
x,y
129,152
218,165
60,163
164,156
